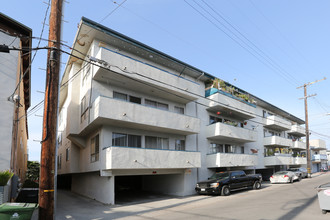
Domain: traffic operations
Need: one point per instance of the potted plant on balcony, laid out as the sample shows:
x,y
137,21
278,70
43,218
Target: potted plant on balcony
x,y
4,178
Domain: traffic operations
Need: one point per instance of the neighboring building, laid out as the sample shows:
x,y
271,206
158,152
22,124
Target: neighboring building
x,y
14,105
318,155
328,157
140,119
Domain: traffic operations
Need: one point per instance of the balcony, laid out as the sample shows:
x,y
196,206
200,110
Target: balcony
x,y
277,123
122,67
231,160
300,160
229,105
277,141
317,145
297,130
141,158
109,111
225,132
298,145
317,158
280,159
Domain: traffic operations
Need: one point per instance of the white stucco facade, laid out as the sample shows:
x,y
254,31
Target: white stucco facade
x,y
156,118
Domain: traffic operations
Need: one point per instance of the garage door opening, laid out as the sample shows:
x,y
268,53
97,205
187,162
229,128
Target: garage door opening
x,y
143,188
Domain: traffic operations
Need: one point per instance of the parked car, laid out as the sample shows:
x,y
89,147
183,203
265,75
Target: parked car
x,y
283,177
301,171
224,182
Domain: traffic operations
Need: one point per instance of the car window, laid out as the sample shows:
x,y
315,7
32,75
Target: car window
x,y
220,175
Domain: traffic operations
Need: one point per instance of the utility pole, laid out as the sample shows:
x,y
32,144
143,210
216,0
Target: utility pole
x,y
306,123
48,147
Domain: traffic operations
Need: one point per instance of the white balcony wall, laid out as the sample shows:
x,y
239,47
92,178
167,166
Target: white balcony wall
x,y
238,107
221,131
133,115
147,72
277,123
319,157
300,160
277,141
141,158
317,144
298,145
279,160
230,160
297,130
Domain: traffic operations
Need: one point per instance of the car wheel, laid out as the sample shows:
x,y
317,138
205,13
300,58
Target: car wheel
x,y
225,191
299,179
257,185
324,211
291,180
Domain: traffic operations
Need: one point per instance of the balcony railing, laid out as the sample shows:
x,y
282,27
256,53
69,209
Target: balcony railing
x,y
231,160
297,130
277,141
149,73
277,123
225,132
298,145
141,158
319,157
111,111
223,101
284,159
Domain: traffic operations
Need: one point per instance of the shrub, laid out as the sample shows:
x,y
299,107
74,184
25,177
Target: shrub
x,y
4,177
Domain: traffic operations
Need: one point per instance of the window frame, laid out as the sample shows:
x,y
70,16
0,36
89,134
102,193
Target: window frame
x,y
95,149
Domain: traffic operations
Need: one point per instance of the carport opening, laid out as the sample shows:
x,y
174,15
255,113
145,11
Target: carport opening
x,y
64,181
143,188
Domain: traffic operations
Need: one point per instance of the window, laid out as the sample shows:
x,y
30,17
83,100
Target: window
x,y
242,150
95,148
59,161
156,143
67,151
216,148
155,104
83,108
125,97
86,72
120,96
178,110
59,139
126,140
134,99
180,145
214,119
228,148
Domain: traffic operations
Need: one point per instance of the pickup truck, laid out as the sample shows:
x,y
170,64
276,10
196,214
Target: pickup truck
x,y
223,183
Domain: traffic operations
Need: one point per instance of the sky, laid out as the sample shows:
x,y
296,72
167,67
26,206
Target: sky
x,y
267,48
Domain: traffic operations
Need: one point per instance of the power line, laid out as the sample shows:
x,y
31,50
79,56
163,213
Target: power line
x,y
271,61
266,62
29,67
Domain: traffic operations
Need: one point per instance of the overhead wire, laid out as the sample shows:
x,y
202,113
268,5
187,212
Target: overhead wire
x,y
271,60
260,58
29,67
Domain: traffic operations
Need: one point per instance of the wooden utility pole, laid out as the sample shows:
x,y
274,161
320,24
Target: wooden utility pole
x,y
306,124
48,147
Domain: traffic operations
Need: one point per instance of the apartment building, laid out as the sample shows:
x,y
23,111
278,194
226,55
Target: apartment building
x,y
319,156
15,96
132,117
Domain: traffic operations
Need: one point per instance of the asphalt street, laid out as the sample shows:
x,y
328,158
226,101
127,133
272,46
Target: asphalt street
x,y
280,201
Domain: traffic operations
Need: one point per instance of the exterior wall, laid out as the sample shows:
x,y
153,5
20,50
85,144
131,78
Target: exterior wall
x,y
8,78
94,186
13,132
